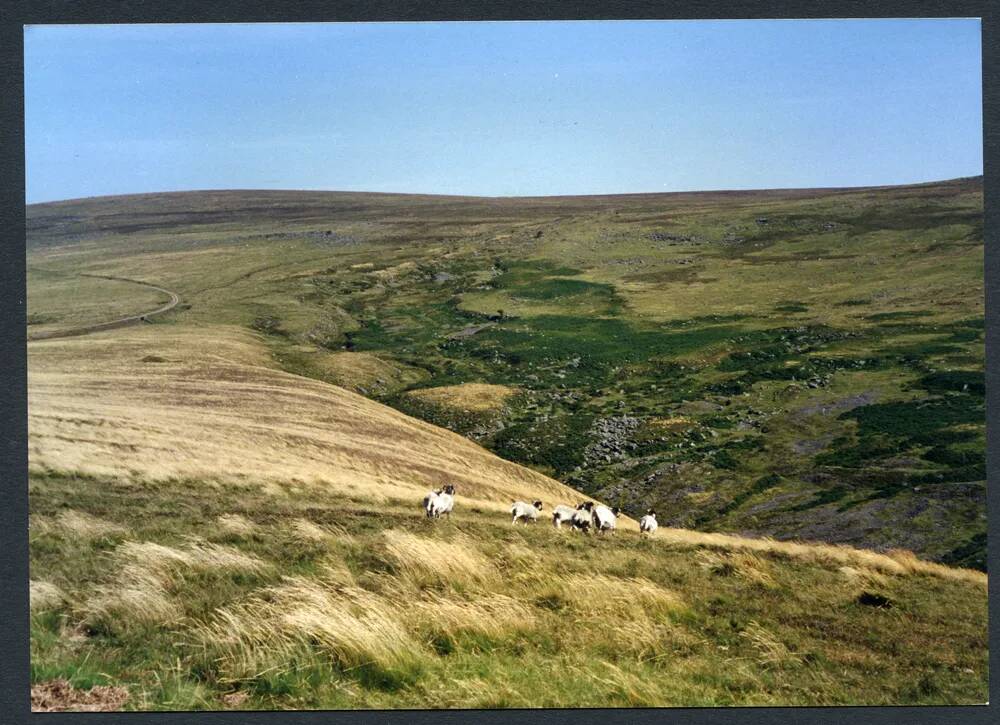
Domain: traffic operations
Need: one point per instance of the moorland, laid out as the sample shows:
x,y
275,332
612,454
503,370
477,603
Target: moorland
x,y
225,494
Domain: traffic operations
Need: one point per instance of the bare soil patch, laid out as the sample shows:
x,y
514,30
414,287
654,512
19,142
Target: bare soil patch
x,y
60,696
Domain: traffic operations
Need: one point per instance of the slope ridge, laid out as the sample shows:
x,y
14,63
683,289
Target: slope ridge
x,y
204,403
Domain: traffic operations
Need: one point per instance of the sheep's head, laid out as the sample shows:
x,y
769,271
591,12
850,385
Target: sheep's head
x,y
537,505
651,513
449,489
586,506
616,511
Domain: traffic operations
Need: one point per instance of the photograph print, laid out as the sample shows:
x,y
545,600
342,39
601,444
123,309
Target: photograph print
x,y
480,365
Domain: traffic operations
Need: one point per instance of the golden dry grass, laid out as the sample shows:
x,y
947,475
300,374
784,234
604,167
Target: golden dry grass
x,y
743,564
138,598
496,615
362,371
235,525
629,598
77,525
895,562
147,574
44,595
306,529
467,397
350,625
215,411
426,561
771,650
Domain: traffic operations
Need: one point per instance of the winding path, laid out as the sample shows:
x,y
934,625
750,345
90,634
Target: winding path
x,y
120,322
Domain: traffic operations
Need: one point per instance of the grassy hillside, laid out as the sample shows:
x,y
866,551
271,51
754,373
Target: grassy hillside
x,y
209,532
800,364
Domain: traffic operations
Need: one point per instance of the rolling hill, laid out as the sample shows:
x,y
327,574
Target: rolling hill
x,y
799,364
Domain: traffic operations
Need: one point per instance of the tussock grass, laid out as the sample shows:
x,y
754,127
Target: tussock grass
x,y
771,651
44,595
146,575
394,618
612,596
307,530
743,564
235,525
198,555
642,638
139,599
78,525
425,562
495,615
864,576
897,562
625,688
350,626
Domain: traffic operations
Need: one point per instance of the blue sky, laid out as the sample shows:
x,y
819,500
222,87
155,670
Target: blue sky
x,y
501,109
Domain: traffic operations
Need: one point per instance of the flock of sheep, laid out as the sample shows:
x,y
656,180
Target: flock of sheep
x,y
587,516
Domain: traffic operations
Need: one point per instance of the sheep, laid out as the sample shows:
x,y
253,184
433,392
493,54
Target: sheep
x,y
647,524
562,513
429,500
604,518
440,502
525,512
581,519
445,502
567,514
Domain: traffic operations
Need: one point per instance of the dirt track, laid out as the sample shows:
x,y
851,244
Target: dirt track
x,y
120,322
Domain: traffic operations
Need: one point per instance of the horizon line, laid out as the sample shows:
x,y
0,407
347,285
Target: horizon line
x,y
486,197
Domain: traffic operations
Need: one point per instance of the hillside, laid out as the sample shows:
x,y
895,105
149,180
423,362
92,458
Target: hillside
x,y
200,403
802,364
208,532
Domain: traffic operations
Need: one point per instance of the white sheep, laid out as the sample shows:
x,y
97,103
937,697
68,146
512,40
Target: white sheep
x,y
647,524
429,500
528,513
604,518
440,502
563,514
581,519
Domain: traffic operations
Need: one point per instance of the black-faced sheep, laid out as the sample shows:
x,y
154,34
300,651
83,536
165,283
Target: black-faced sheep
x,y
582,518
528,513
604,518
440,502
429,500
647,524
563,514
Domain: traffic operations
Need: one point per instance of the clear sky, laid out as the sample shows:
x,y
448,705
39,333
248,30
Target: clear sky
x,y
499,109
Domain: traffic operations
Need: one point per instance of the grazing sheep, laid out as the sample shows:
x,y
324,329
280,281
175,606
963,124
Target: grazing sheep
x,y
440,502
525,512
582,518
429,500
445,502
604,518
647,524
563,514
